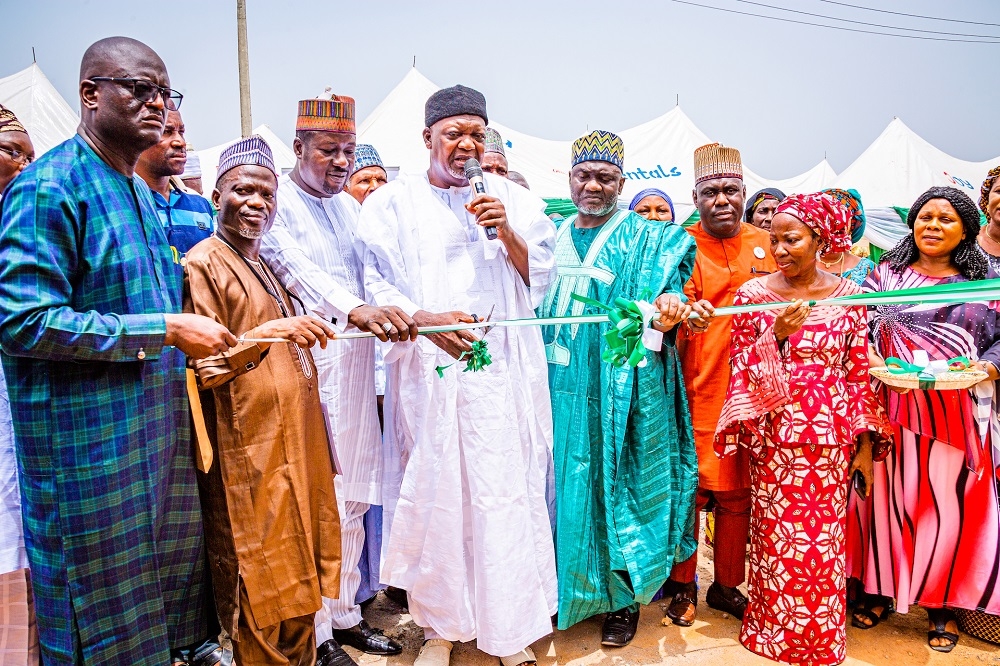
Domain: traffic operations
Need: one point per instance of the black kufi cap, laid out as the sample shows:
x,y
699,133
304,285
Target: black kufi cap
x,y
455,101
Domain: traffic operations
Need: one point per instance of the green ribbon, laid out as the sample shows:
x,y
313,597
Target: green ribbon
x,y
898,366
475,360
624,338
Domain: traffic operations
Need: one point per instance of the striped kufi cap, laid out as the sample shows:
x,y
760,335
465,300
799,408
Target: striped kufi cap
x,y
252,151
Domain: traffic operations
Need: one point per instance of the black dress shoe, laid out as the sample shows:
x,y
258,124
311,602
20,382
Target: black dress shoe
x,y
726,599
619,628
366,639
208,653
331,654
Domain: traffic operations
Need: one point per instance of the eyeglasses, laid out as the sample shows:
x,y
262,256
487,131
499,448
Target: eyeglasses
x,y
18,156
146,91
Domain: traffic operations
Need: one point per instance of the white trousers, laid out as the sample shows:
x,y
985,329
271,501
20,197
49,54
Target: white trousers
x,y
344,612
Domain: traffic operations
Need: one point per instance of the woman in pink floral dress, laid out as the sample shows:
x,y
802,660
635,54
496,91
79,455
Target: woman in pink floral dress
x,y
800,402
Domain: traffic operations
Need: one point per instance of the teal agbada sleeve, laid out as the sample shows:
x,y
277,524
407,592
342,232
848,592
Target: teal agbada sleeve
x,y
625,461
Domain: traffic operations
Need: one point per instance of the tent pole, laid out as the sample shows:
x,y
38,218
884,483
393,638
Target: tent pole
x,y
246,123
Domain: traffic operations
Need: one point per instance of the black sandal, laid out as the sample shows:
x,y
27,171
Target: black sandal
x,y
941,617
865,609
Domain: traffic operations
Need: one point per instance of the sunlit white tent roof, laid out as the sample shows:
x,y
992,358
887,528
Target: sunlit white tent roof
x,y
900,165
48,118
396,124
284,158
820,177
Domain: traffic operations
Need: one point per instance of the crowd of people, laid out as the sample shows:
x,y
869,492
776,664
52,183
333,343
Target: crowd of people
x,y
202,459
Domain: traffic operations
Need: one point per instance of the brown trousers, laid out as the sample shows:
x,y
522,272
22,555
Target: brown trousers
x,y
288,643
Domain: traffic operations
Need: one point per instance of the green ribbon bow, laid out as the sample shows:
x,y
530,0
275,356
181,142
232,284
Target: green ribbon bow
x,y
628,322
898,366
475,360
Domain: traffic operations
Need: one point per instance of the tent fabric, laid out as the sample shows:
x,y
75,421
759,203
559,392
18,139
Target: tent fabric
x,y
900,165
49,119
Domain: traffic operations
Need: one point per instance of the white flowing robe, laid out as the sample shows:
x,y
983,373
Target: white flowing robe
x,y
13,556
469,536
312,250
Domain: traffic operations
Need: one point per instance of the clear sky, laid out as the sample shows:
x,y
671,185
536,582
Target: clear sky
x,y
783,94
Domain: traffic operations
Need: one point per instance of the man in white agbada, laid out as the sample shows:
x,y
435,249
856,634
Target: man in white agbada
x,y
469,536
311,249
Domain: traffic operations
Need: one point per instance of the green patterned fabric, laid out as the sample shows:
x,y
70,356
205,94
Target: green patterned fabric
x,y
626,470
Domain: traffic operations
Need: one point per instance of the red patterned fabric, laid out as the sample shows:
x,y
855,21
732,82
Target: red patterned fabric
x,y
797,581
815,391
798,411
826,216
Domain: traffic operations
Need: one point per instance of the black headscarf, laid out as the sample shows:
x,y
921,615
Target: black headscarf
x,y
760,197
966,256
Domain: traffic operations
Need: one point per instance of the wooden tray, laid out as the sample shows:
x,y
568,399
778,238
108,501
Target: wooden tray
x,y
946,381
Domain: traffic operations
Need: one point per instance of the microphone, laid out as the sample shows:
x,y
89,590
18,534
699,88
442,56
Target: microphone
x,y
474,173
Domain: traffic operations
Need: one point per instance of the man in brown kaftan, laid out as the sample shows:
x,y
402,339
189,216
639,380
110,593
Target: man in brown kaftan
x,y
270,512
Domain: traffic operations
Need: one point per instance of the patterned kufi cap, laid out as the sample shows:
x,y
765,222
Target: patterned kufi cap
x,y
9,122
717,161
252,151
326,115
826,216
851,200
365,155
192,168
599,146
494,142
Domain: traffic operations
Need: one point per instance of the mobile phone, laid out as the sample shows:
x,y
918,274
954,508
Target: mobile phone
x,y
860,485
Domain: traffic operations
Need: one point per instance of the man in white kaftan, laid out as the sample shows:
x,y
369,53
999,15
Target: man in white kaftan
x,y
469,536
311,249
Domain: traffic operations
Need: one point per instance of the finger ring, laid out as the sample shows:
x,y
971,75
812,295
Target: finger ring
x,y
387,326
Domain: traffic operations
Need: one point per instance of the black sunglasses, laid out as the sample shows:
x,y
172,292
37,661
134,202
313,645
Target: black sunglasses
x,y
146,91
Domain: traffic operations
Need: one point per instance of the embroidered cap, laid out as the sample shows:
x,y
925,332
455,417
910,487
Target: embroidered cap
x,y
494,142
717,161
252,151
599,146
326,115
365,155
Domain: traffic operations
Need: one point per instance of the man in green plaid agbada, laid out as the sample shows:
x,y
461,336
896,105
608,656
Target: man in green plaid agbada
x,y
89,318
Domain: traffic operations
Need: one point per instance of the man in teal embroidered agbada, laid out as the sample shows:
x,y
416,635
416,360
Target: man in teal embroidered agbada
x,y
625,463
92,335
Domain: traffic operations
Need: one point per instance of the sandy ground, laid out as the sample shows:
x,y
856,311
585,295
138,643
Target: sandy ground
x,y
713,640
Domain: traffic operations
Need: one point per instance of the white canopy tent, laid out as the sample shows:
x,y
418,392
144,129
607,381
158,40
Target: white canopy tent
x,y
897,168
900,165
48,118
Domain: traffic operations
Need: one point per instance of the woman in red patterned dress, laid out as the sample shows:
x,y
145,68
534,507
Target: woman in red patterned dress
x,y
799,400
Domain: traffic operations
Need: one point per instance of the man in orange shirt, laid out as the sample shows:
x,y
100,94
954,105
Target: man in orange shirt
x,y
729,253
